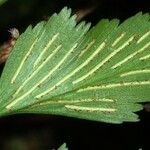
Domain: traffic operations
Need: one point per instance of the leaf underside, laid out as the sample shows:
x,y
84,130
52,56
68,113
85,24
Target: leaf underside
x,y
59,67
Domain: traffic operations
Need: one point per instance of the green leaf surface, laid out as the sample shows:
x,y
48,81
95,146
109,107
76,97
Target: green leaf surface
x,y
59,67
63,147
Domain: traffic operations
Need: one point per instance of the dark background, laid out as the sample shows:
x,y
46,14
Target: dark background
x,y
44,132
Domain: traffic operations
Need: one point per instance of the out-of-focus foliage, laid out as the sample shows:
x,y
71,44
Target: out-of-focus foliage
x,y
2,1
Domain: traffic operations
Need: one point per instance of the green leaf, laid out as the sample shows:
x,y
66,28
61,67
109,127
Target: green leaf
x,y
63,147
61,68
2,1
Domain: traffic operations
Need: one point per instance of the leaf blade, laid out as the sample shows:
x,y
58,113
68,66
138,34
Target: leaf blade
x,y
98,75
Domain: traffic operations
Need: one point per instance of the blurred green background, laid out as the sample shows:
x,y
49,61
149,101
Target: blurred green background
x,y
45,132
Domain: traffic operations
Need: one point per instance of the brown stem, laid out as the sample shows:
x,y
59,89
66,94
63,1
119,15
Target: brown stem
x,y
6,48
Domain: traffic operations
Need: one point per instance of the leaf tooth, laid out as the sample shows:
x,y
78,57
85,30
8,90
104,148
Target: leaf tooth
x,y
83,25
39,28
65,13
